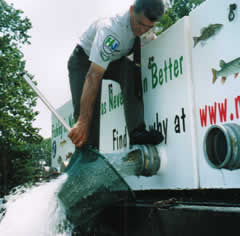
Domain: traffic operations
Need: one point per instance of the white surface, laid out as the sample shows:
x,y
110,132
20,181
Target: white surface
x,y
64,145
183,163
222,46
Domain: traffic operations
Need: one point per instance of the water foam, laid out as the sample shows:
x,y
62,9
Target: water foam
x,y
36,212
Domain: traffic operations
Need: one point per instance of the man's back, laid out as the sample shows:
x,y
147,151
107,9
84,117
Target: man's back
x,y
108,39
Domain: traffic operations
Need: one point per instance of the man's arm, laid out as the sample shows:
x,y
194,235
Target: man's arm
x,y
79,132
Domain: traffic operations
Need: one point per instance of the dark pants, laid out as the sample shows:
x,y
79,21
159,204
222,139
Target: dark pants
x,y
122,71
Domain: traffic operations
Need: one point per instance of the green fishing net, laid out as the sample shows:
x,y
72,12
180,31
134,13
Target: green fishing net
x,y
92,184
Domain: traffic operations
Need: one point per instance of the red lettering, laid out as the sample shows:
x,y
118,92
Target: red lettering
x,y
222,108
237,104
203,116
212,113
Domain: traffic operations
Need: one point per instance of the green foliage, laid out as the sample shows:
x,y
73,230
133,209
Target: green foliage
x,y
17,100
30,167
25,165
41,152
175,10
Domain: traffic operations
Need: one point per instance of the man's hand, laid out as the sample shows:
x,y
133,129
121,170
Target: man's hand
x,y
79,133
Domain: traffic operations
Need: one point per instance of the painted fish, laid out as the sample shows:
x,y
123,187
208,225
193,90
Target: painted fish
x,y
227,69
62,143
207,32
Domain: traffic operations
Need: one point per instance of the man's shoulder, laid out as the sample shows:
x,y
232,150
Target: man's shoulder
x,y
115,24
108,29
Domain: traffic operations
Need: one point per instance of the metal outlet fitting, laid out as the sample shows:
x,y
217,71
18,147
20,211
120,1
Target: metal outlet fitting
x,y
150,160
221,146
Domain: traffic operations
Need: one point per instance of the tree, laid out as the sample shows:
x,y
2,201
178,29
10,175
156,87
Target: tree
x,y
41,152
17,100
176,9
31,169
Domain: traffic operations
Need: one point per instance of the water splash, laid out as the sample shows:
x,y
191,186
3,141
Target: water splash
x,y
127,163
39,212
36,211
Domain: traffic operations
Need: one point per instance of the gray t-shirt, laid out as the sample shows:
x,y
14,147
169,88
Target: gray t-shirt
x,y
108,39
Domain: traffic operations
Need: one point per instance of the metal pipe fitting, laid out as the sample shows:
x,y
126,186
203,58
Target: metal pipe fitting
x,y
151,160
221,146
146,158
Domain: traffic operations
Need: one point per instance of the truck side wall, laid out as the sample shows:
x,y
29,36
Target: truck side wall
x,y
180,100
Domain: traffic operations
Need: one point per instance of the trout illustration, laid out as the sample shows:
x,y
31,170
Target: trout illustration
x,y
227,69
62,143
207,32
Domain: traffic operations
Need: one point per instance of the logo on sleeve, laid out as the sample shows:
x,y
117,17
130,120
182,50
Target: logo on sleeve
x,y
110,44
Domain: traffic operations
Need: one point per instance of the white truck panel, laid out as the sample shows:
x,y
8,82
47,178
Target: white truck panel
x,y
180,100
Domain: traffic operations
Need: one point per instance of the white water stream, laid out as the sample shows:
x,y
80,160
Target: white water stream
x,y
36,212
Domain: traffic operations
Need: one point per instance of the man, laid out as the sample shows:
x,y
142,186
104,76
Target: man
x,y
102,53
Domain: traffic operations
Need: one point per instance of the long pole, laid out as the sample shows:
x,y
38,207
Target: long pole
x,y
45,101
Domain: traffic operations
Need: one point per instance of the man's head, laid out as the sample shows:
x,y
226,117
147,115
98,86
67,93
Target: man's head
x,y
143,15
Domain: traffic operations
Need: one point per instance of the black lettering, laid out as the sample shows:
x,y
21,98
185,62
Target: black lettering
x,y
157,125
161,127
154,75
183,119
165,129
114,139
177,124
119,141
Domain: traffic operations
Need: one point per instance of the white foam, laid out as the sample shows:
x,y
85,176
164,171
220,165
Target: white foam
x,y
36,212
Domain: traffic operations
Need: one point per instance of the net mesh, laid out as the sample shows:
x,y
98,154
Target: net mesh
x,y
92,184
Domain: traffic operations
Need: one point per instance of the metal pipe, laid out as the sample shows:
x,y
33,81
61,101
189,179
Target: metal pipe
x,y
45,101
152,160
222,146
144,160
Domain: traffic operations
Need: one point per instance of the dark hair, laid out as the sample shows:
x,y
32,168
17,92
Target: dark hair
x,y
152,9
